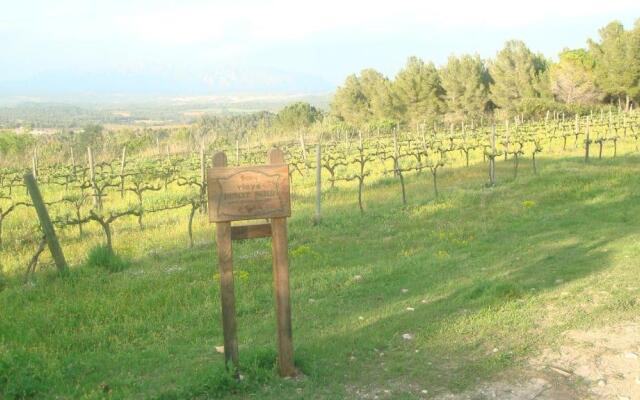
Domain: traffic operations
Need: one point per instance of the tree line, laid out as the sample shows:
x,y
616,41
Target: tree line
x,y
516,81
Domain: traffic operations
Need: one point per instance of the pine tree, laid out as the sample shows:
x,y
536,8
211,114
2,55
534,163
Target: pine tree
x,y
617,61
377,89
418,92
517,75
465,81
350,102
365,98
573,78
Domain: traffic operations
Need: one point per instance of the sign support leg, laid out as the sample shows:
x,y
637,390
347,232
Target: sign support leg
x,y
283,303
227,296
279,245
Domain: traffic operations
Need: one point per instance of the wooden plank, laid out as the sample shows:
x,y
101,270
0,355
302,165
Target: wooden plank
x,y
252,192
255,231
45,222
227,295
281,285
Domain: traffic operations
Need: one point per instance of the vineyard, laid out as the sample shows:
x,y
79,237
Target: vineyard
x,y
279,200
110,202
439,257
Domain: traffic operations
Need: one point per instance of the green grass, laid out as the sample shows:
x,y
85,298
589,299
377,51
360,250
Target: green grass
x,y
493,274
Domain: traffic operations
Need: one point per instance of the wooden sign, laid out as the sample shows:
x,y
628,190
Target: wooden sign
x,y
256,192
243,193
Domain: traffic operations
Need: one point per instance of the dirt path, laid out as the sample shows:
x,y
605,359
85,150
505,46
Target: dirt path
x,y
608,360
597,364
589,364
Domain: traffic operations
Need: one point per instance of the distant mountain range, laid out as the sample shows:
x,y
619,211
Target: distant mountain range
x,y
201,82
73,110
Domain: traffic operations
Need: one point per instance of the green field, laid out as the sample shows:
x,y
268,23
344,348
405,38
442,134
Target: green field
x,y
493,275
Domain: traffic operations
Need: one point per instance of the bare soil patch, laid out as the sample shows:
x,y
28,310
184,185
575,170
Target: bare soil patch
x,y
599,363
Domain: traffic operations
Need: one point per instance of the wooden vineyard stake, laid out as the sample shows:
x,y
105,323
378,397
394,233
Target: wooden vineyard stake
x,y
34,164
303,146
492,157
396,154
250,193
97,202
587,143
73,161
203,177
318,215
45,222
122,165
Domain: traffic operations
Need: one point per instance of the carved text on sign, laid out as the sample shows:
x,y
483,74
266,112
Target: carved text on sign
x,y
241,193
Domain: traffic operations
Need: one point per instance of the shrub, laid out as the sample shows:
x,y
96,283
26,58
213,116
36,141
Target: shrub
x,y
103,257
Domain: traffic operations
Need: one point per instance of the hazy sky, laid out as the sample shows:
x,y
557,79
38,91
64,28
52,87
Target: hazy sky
x,y
285,45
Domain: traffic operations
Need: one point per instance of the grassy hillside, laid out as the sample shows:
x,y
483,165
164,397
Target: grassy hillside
x,y
479,280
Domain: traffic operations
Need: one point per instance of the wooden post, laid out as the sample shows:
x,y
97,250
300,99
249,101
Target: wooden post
x,y
304,153
45,222
281,284
318,182
227,294
396,153
576,129
34,164
203,170
506,145
492,160
203,177
303,147
73,162
587,142
122,164
97,204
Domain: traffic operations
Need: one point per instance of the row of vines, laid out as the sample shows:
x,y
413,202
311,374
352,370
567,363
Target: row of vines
x,y
107,191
